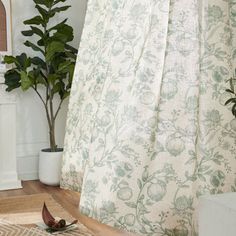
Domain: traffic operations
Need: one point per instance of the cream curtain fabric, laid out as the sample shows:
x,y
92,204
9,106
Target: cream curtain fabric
x,y
147,129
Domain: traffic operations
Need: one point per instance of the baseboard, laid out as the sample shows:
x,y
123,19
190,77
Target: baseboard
x,y
9,180
10,185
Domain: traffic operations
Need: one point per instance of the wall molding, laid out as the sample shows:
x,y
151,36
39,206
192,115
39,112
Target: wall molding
x,y
27,167
29,149
8,165
27,159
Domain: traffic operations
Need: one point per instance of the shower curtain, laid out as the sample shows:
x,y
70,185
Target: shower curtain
x,y
147,130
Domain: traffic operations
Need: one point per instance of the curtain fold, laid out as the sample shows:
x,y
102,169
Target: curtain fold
x,y
147,130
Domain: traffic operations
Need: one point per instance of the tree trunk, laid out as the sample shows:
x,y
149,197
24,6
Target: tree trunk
x,y
53,145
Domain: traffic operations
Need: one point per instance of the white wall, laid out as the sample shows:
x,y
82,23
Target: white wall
x,y
32,131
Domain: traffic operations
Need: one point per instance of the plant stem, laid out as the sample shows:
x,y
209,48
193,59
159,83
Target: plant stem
x,y
52,137
51,122
49,99
52,130
58,109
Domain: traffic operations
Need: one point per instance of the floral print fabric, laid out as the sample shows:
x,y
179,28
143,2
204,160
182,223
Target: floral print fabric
x,y
147,130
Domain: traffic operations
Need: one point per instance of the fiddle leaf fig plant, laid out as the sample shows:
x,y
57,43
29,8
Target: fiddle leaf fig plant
x,y
49,73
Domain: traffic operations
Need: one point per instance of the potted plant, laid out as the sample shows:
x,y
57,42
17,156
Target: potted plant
x,y
49,74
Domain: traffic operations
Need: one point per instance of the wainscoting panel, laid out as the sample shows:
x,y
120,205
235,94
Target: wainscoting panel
x,y
27,160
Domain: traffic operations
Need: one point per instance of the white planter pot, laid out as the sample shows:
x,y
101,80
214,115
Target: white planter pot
x,y
50,167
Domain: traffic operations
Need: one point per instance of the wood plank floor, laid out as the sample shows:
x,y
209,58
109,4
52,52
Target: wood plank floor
x,y
70,201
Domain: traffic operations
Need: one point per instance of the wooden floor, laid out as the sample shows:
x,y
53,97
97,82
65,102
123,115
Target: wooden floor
x,y
69,200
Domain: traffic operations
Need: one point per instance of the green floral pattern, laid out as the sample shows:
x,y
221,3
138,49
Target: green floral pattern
x,y
147,129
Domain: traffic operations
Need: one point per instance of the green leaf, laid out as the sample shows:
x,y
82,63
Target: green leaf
x,y
41,42
64,33
32,75
44,13
23,62
64,67
47,3
71,73
21,59
36,77
66,94
71,55
72,49
34,30
37,31
38,62
52,78
59,9
26,83
58,1
58,25
10,60
56,88
27,33
40,80
12,80
37,20
53,48
62,90
33,46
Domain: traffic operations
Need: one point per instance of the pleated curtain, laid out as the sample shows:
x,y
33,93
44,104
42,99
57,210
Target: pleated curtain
x,y
147,129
